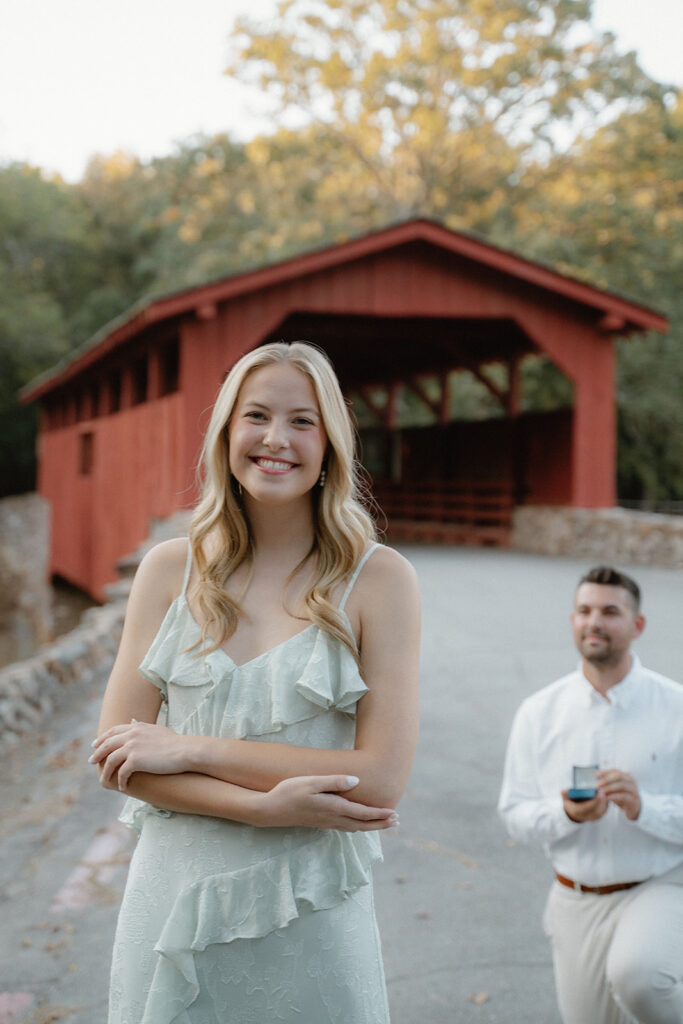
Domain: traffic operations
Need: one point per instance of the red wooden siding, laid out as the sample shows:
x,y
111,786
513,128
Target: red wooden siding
x,y
137,474
414,299
405,283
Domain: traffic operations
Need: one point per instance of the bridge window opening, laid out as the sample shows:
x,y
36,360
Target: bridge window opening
x,y
86,447
139,380
170,366
80,405
99,398
114,391
54,414
89,408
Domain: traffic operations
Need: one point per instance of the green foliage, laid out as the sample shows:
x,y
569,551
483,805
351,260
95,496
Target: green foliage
x,y
41,251
544,387
515,120
438,104
611,211
650,387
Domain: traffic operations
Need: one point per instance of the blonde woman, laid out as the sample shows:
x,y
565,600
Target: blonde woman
x,y
262,716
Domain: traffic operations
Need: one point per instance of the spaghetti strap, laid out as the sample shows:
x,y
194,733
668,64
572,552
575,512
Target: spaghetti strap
x,y
188,568
356,572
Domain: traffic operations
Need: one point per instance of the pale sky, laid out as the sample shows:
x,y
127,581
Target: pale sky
x,y
79,77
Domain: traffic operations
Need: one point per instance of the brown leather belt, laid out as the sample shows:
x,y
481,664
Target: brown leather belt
x,y
599,890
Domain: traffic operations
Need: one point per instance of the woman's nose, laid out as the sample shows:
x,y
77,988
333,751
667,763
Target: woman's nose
x,y
275,437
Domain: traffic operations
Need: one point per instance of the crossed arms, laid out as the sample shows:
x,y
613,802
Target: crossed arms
x,y
266,783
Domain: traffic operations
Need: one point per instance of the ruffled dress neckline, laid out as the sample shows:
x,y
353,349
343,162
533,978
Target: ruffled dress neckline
x,y
207,884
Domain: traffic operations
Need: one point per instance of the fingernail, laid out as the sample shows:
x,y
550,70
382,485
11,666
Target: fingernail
x,y
94,743
91,759
352,780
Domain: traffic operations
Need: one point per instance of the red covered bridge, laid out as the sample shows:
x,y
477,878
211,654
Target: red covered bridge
x,y
400,309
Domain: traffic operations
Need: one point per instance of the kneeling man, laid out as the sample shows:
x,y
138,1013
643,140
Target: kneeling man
x,y
614,915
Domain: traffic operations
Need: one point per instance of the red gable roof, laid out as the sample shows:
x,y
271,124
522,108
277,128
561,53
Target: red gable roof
x,y
618,315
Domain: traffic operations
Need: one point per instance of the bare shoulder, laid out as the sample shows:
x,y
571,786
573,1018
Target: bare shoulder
x,y
386,606
158,581
387,577
388,566
162,570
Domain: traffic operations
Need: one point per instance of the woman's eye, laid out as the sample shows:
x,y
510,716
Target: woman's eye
x,y
301,421
253,415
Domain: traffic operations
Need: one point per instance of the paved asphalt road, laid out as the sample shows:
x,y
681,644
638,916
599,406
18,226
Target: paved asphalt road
x,y
459,905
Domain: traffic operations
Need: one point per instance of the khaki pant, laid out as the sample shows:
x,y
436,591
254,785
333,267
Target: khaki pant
x,y
618,958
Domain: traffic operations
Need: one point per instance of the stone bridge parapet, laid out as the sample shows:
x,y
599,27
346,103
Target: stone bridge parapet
x,y
615,536
31,689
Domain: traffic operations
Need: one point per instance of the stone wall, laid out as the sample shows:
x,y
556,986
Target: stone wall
x,y
25,592
31,689
613,535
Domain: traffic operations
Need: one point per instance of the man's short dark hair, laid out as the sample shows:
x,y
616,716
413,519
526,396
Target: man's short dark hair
x,y
610,577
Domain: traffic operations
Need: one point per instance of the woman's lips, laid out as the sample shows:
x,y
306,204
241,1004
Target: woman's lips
x,y
272,465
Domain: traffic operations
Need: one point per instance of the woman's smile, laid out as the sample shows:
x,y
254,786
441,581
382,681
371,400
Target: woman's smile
x,y
269,465
276,433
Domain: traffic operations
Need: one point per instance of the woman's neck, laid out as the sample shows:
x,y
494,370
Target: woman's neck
x,y
282,533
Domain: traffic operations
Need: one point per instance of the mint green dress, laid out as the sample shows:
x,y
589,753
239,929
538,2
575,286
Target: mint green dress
x,y
223,923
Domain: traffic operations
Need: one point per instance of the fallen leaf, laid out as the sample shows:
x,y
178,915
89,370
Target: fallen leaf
x,y
61,760
478,997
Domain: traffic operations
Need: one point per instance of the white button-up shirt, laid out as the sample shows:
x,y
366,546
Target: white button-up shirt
x,y
638,728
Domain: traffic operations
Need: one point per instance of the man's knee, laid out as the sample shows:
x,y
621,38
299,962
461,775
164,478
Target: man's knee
x,y
645,990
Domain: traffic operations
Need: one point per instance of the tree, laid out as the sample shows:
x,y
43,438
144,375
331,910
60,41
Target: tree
x,y
611,210
461,110
439,104
45,272
513,119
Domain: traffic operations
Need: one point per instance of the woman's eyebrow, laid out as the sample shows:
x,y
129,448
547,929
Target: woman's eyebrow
x,y
304,408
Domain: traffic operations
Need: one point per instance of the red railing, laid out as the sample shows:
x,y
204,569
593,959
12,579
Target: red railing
x,y
449,511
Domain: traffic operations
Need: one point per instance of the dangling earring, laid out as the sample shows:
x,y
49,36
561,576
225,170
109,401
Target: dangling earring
x,y
239,488
323,477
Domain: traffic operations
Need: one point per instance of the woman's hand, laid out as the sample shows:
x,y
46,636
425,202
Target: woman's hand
x,y
138,747
315,801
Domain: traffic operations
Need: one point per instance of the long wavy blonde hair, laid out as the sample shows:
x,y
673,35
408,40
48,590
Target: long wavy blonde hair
x,y
219,532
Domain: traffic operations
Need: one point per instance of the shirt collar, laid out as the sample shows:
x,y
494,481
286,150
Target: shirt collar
x,y
620,695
